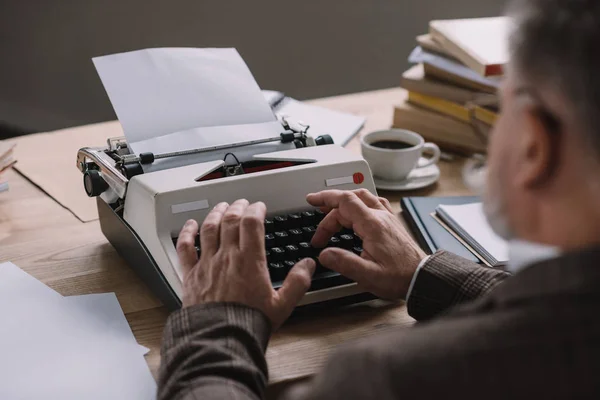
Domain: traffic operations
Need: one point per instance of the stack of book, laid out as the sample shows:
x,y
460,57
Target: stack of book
x,y
6,161
452,86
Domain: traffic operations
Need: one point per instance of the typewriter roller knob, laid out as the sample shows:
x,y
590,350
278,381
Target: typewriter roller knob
x,y
131,170
93,183
323,140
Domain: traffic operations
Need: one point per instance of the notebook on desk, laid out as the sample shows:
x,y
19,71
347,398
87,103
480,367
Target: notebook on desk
x,y
469,225
430,235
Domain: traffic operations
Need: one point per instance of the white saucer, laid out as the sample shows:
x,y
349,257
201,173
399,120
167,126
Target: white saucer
x,y
417,179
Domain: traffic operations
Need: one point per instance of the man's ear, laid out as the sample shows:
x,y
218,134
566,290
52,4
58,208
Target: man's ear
x,y
537,150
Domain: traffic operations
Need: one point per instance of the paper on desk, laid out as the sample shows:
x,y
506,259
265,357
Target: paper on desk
x,y
49,351
105,308
48,160
342,127
52,348
108,313
170,99
14,283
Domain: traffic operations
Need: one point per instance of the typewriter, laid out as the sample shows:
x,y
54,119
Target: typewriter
x,y
142,209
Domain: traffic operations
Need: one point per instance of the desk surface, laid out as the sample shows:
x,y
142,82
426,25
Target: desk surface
x,y
74,258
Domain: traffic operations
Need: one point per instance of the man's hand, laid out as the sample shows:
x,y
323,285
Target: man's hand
x,y
233,264
390,257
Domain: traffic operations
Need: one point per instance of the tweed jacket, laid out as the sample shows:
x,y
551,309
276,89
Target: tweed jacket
x,y
481,334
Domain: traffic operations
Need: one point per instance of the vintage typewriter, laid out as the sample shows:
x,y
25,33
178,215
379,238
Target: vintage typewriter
x,y
144,200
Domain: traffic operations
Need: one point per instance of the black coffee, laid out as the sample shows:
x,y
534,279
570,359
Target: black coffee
x,y
392,144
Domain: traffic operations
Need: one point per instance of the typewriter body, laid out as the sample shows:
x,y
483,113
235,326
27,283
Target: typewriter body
x,y
141,214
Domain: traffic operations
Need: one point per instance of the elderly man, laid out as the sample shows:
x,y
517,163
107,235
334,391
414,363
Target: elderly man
x,y
535,334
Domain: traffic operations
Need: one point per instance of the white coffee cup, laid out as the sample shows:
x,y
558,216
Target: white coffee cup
x,y
396,164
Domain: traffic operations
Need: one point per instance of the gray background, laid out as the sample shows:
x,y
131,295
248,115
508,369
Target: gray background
x,y
306,48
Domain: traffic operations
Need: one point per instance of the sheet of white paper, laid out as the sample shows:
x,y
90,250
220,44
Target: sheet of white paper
x,y
107,310
272,96
105,306
52,348
157,92
14,282
341,126
473,221
49,351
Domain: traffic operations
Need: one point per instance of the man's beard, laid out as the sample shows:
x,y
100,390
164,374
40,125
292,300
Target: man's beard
x,y
494,208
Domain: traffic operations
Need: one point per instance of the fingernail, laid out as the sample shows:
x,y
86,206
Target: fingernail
x,y
221,204
189,222
312,265
327,257
316,243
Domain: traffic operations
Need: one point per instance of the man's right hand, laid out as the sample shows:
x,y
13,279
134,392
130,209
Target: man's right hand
x,y
390,257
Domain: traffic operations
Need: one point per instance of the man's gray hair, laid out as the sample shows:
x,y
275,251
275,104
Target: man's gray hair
x,y
556,44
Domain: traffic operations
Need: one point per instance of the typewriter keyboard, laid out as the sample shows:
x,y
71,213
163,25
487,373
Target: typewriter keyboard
x,y
287,240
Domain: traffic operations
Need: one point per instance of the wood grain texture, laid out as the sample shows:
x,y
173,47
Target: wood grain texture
x,y
73,257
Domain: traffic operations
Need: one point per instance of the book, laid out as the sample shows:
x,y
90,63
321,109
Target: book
x,y
449,108
430,235
482,129
469,225
468,112
448,70
414,80
479,43
427,43
487,115
448,133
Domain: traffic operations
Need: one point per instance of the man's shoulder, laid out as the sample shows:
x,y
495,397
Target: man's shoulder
x,y
535,335
464,332
513,349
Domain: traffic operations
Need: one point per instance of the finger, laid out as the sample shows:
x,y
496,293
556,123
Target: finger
x,y
230,224
386,203
369,199
295,285
186,246
252,229
329,226
209,232
367,256
350,265
348,203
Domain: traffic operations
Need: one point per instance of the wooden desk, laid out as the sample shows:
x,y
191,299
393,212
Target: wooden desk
x,y
74,258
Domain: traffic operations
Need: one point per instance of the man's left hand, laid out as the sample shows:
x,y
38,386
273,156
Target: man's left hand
x,y
233,264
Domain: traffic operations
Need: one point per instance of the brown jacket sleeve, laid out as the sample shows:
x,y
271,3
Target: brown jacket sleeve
x,y
447,280
216,351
